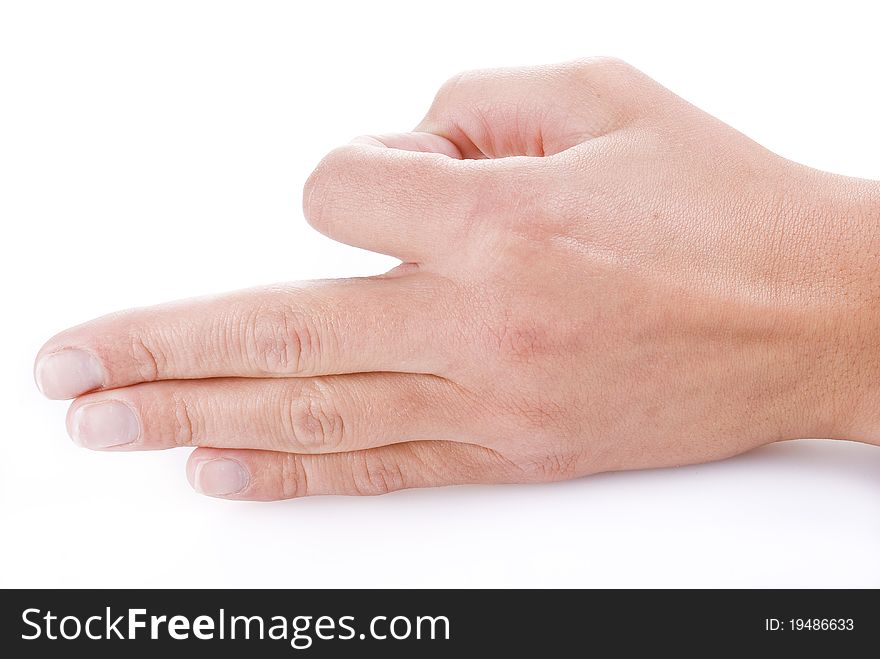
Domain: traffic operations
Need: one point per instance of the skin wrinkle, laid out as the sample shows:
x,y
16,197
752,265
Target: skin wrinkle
x,y
185,433
145,358
601,277
295,480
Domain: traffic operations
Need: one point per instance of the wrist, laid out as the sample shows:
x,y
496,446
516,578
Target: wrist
x,y
845,367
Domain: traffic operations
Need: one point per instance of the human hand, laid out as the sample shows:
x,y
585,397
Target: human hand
x,y
597,276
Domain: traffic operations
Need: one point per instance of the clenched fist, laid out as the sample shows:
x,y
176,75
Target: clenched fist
x,y
596,276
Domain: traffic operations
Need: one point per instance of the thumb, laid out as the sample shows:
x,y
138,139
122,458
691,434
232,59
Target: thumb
x,y
422,142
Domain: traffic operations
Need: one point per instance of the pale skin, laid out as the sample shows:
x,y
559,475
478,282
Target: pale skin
x,y
596,276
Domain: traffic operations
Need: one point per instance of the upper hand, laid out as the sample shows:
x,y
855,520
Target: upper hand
x,y
597,276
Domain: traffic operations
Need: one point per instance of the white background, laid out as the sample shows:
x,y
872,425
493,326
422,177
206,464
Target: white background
x,y
155,150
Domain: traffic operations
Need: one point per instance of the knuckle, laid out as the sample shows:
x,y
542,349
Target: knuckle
x,y
376,475
311,421
540,416
294,477
517,340
525,200
610,89
279,340
599,67
146,357
318,189
550,467
186,425
449,90
463,90
173,418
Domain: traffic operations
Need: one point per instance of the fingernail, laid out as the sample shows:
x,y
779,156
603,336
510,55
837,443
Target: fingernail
x,y
105,424
220,477
68,373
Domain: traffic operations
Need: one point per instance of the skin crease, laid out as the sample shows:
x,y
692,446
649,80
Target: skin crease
x,y
597,276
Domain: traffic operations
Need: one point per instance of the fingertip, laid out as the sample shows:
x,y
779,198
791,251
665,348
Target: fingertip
x,y
67,373
216,474
195,457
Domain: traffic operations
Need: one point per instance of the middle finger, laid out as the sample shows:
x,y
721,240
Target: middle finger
x,y
300,415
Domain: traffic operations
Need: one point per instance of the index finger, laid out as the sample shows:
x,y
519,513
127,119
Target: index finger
x,y
324,328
